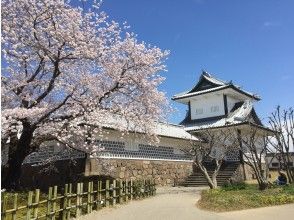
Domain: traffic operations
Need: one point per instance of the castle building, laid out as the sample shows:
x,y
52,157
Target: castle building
x,y
215,104
211,103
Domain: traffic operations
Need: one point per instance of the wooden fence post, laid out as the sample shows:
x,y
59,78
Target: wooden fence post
x,y
29,205
3,207
114,192
120,189
48,213
150,187
89,197
36,205
14,207
54,202
131,189
107,193
126,191
92,196
63,204
69,201
78,212
99,195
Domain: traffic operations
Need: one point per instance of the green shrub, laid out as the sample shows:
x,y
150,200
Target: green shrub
x,y
244,196
234,186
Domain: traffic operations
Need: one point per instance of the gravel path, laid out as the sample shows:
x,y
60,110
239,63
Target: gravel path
x,y
179,204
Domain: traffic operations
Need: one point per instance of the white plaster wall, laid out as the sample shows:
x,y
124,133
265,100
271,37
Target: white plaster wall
x,y
231,102
133,140
206,102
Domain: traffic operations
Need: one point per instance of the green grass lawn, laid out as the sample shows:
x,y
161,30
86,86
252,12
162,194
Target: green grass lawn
x,y
244,197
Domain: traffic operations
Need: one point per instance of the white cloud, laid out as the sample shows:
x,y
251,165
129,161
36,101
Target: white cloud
x,y
271,24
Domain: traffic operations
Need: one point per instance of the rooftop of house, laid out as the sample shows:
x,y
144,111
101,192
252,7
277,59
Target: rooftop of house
x,y
208,84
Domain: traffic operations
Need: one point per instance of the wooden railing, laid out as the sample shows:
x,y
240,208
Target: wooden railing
x,y
73,200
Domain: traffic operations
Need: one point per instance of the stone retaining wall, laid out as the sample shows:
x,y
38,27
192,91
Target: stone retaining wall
x,y
164,172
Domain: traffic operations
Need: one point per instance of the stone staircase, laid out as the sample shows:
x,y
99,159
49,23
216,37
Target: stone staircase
x,y
226,172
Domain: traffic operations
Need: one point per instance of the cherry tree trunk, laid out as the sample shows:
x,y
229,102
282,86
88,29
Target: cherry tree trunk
x,y
262,185
214,181
211,183
16,156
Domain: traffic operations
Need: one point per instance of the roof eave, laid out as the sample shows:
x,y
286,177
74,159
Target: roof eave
x,y
187,95
232,125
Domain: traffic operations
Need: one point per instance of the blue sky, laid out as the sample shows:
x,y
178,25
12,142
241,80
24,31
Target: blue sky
x,y
250,42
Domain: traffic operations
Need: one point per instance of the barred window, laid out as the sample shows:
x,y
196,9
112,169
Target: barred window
x,y
116,149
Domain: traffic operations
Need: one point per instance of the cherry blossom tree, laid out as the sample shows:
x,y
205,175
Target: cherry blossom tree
x,y
66,69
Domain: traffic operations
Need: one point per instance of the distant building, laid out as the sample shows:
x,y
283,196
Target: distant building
x,y
275,161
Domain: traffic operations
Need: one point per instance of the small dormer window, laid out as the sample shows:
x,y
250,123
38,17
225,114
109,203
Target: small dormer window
x,y
199,111
214,109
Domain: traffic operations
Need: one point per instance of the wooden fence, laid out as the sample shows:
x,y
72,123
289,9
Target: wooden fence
x,y
73,200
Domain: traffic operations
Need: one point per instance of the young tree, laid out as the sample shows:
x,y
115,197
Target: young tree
x,y
254,146
65,70
282,123
213,147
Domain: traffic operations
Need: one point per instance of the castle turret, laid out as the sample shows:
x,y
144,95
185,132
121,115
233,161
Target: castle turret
x,y
215,103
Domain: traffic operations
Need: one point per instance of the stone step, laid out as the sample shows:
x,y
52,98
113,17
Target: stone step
x,y
219,174
204,180
225,173
228,174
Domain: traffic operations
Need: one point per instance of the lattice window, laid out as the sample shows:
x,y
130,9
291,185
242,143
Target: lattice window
x,y
111,148
117,149
233,155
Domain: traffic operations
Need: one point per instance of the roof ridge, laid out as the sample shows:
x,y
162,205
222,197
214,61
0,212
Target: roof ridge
x,y
172,124
211,76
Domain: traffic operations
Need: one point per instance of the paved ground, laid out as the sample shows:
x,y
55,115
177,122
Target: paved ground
x,y
179,204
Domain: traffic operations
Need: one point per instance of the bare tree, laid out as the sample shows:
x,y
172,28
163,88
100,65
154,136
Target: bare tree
x,y
214,146
282,123
254,146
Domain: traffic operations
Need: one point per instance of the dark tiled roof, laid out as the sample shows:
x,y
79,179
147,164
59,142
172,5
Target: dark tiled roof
x,y
207,84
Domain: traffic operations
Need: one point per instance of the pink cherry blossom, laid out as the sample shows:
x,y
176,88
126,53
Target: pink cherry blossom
x,y
66,67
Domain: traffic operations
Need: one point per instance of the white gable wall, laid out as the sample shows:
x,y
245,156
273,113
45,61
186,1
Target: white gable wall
x,y
206,103
231,102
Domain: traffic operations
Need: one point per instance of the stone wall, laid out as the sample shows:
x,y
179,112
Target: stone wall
x,y
239,175
244,172
164,172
